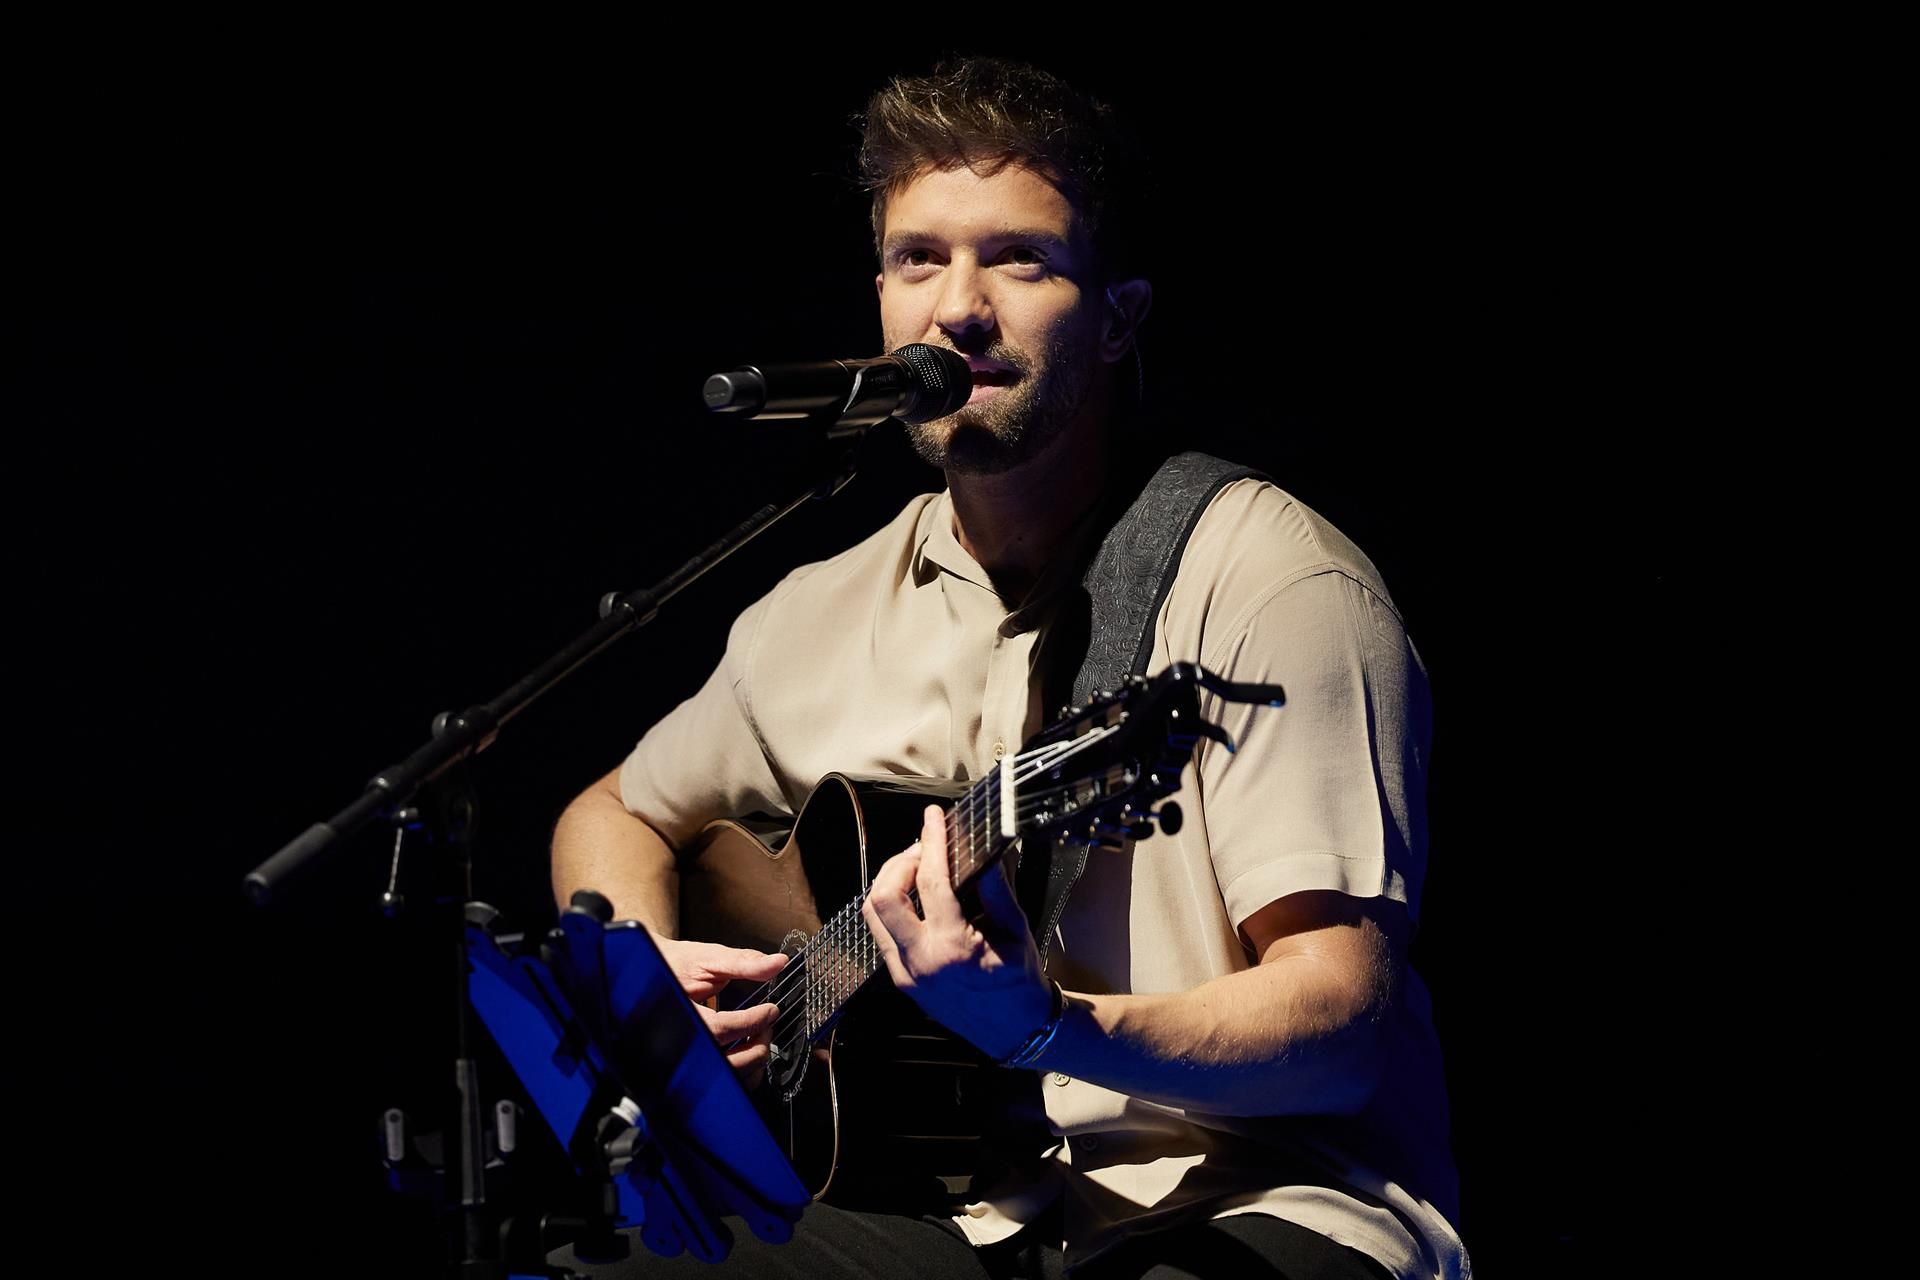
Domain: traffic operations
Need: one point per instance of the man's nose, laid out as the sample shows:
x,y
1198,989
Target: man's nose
x,y
964,306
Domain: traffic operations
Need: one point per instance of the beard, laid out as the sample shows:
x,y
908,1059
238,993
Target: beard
x,y
1018,424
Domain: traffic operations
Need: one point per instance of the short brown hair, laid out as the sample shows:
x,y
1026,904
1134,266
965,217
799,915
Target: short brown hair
x,y
987,113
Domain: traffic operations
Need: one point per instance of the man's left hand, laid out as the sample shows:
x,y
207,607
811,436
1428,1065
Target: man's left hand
x,y
980,979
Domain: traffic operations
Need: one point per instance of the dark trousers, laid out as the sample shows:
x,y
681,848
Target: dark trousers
x,y
831,1242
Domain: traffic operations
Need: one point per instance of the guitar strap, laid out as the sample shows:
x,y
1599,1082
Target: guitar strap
x,y
1117,604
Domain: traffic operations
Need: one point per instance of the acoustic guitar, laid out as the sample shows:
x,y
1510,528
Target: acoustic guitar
x,y
934,1108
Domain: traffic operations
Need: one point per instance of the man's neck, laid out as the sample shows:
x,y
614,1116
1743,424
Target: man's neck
x,y
1015,522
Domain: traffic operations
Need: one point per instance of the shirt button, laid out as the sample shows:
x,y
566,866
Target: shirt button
x,y
1061,1077
1088,1142
999,750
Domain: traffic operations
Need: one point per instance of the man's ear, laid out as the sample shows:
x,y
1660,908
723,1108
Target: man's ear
x,y
880,284
1127,305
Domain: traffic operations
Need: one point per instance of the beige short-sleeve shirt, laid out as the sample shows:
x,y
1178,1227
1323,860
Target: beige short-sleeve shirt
x,y
899,656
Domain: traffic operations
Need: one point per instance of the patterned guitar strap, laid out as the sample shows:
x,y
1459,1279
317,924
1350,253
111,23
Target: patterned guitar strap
x,y
1115,610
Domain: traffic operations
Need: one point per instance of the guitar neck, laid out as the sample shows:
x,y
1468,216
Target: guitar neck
x,y
837,961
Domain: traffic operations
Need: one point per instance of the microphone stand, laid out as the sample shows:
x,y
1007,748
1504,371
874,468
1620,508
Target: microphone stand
x,y
448,815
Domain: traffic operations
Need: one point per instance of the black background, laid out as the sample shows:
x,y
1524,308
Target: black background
x,y
352,387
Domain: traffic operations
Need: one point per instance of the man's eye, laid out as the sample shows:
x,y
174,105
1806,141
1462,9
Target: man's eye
x,y
1026,260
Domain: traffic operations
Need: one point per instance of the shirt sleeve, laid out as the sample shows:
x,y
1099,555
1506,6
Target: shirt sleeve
x,y
1329,791
705,759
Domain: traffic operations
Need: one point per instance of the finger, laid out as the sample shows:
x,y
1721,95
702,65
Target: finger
x,y
749,1062
934,877
705,967
739,962
1004,916
749,1057
883,941
887,896
730,1025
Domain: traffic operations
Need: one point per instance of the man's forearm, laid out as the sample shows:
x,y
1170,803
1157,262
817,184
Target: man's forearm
x,y
1299,1033
1281,1038
598,845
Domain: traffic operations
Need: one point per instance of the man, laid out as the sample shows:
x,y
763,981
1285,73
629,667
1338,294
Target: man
x,y
1239,1060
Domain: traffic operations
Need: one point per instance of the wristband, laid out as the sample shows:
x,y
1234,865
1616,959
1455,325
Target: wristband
x,y
1037,1043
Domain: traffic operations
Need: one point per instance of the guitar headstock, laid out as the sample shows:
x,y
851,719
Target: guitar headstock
x,y
1094,774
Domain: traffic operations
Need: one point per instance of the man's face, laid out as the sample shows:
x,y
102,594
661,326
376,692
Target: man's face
x,y
999,269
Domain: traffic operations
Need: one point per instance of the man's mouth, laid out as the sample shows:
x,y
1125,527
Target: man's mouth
x,y
994,376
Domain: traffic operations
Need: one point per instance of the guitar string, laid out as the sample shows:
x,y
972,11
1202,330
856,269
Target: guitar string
x,y
852,958
848,923
848,956
839,928
838,931
849,963
826,955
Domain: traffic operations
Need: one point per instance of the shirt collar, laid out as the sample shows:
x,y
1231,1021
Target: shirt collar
x,y
938,550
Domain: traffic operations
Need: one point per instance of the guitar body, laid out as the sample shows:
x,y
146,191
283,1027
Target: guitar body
x,y
888,1111
877,1106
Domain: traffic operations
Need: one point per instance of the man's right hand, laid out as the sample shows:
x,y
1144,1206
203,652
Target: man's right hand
x,y
703,968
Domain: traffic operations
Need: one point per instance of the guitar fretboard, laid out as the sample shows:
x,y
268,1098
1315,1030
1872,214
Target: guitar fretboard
x,y
837,961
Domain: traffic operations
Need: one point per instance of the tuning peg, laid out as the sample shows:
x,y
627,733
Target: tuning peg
x,y
1207,729
1271,695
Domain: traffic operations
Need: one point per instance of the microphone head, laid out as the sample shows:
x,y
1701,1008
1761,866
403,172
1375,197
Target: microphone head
x,y
941,378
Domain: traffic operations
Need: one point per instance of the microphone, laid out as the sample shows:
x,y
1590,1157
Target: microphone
x,y
916,383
